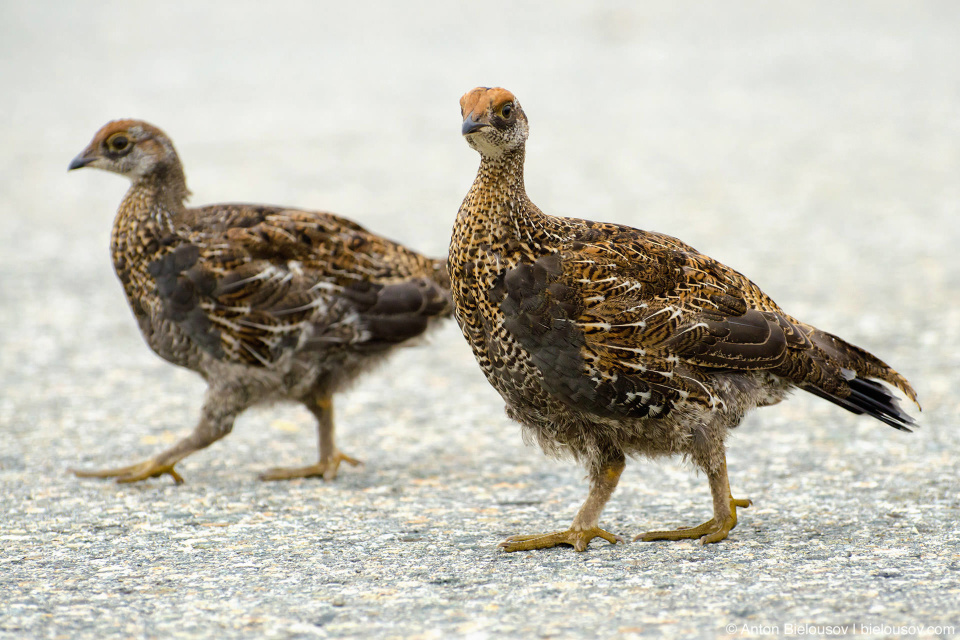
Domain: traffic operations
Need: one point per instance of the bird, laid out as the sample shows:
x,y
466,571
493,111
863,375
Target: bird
x,y
607,341
266,303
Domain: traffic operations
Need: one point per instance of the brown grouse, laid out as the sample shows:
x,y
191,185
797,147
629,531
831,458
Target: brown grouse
x,y
266,303
607,341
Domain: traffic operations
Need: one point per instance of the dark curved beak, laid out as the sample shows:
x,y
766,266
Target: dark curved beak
x,y
471,126
79,162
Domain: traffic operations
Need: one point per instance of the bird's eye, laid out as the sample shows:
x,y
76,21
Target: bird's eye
x,y
118,142
506,110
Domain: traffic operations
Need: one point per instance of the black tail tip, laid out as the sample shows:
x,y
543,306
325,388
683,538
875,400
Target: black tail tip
x,y
871,398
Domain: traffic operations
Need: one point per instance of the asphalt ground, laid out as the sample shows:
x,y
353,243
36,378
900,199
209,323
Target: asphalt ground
x,y
813,146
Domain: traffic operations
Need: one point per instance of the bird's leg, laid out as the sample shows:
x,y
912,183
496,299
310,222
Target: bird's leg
x,y
603,480
330,457
220,409
724,511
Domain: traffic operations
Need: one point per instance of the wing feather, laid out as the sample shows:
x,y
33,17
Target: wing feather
x,y
625,323
249,284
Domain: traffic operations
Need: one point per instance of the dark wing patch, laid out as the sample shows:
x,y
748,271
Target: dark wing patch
x,y
537,312
541,312
181,285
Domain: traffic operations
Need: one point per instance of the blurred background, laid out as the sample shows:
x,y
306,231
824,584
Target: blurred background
x,y
814,146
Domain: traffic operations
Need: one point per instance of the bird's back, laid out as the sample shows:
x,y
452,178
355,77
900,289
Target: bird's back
x,y
281,278
619,323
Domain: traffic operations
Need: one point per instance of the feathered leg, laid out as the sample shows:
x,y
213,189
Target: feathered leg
x,y
603,480
220,408
321,405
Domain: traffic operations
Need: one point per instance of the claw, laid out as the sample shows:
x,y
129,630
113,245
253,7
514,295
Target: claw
x,y
134,472
578,539
326,469
708,532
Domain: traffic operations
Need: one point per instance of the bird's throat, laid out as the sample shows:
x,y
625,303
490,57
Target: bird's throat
x,y
498,196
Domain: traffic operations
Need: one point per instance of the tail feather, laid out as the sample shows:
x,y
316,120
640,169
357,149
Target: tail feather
x,y
847,376
864,363
871,398
394,313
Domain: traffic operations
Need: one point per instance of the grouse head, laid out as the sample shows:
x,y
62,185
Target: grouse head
x,y
493,122
131,148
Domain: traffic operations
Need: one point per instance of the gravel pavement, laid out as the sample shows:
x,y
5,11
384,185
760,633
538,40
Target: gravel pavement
x,y
814,146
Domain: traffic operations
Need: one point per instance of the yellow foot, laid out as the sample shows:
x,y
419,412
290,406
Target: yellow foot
x,y
709,531
326,469
578,539
133,473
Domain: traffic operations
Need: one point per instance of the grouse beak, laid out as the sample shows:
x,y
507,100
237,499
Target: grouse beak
x,y
80,161
471,126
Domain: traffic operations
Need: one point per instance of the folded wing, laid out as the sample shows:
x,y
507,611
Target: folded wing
x,y
252,284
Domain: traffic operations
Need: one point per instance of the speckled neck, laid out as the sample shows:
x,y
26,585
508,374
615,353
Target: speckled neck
x,y
149,201
499,182
497,205
143,221
497,209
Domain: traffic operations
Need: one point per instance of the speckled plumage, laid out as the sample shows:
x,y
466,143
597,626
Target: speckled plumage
x,y
266,303
607,341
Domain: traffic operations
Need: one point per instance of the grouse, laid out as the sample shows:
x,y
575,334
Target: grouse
x,y
607,341
266,303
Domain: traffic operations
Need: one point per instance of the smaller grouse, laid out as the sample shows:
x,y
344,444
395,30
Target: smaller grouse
x,y
266,303
607,341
